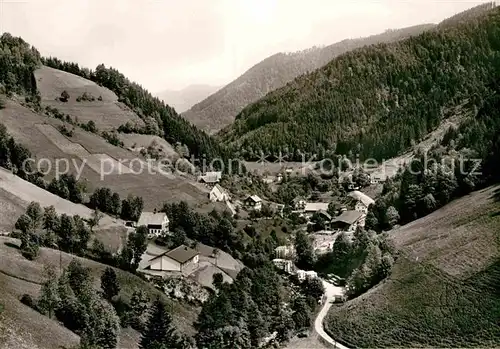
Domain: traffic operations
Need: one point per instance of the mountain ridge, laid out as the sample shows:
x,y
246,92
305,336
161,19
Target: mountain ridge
x,y
220,109
183,99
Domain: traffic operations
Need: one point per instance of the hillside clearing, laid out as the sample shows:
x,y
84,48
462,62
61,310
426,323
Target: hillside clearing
x,y
443,290
107,114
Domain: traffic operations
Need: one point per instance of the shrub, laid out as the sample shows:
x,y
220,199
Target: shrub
x,y
64,96
26,299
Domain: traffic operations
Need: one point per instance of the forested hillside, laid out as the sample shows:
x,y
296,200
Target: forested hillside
x,y
377,100
220,109
18,61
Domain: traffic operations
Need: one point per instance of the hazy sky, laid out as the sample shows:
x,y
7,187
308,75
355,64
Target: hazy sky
x,y
169,44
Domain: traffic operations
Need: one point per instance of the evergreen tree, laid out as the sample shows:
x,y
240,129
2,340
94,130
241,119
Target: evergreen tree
x,y
109,283
159,332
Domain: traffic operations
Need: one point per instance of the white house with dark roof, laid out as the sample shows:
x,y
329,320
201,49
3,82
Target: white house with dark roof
x,y
156,222
363,201
181,259
253,202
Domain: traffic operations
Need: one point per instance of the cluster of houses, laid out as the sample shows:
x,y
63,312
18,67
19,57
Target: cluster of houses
x,y
284,261
200,264
346,220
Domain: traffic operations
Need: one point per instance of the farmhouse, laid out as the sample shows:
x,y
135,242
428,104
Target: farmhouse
x,y
253,203
218,194
348,221
181,259
210,177
157,223
362,200
313,207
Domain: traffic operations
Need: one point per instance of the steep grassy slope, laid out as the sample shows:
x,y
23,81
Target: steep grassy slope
x,y
19,276
377,100
219,110
38,134
16,194
444,288
106,114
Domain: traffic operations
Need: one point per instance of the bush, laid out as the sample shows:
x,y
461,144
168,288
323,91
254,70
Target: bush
x,y
26,299
64,96
65,130
2,102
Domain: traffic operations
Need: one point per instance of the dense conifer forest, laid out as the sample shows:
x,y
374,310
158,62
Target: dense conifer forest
x,y
378,100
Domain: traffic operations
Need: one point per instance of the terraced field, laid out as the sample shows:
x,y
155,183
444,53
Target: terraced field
x,y
39,133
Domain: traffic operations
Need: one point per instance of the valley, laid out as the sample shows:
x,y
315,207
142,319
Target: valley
x,y
364,212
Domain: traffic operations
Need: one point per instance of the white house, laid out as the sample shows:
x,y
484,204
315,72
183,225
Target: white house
x,y
302,274
210,177
253,203
218,194
181,259
285,252
363,201
157,223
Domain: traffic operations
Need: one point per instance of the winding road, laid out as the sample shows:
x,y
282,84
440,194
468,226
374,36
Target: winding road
x,y
330,292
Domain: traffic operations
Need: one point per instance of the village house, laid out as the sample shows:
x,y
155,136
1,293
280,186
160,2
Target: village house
x,y
156,222
303,275
253,203
348,221
314,207
299,203
218,194
362,200
181,259
284,264
285,252
210,178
